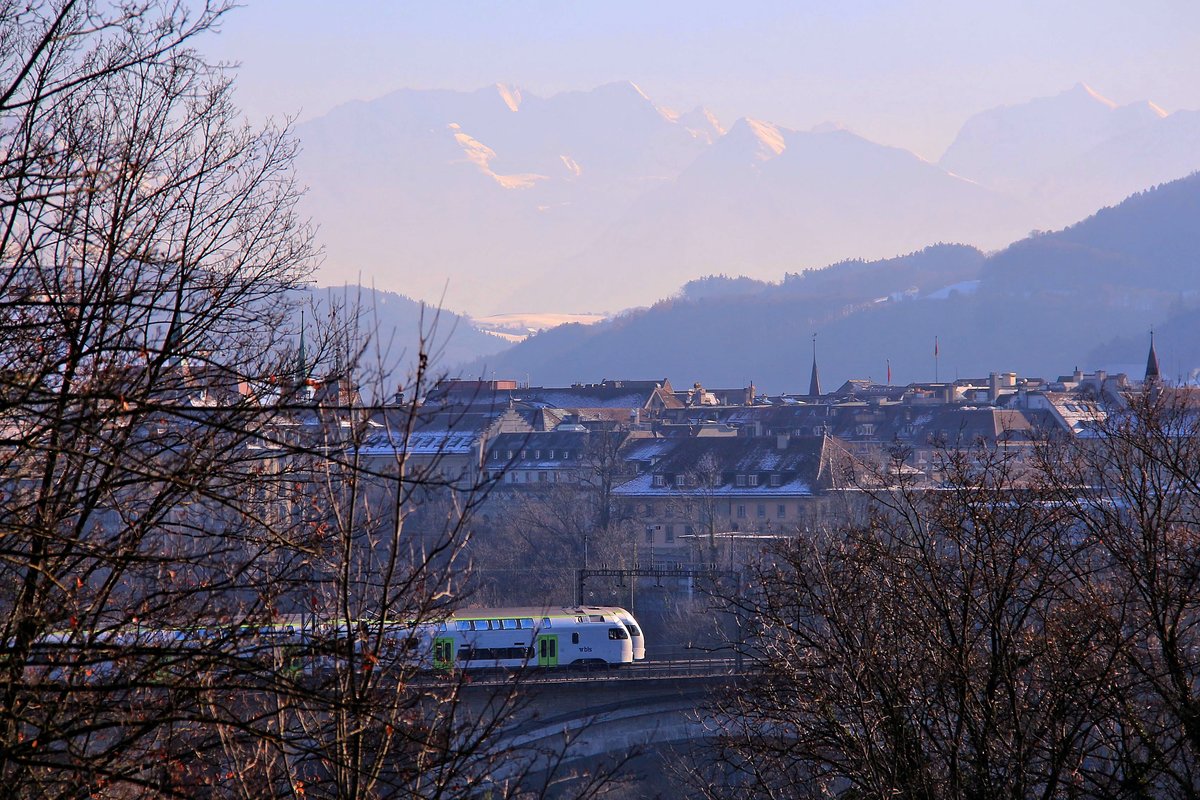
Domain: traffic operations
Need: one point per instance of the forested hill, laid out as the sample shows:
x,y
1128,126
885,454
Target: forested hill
x,y
394,329
1083,296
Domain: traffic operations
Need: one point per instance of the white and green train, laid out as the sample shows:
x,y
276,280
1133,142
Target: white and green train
x,y
537,637
481,638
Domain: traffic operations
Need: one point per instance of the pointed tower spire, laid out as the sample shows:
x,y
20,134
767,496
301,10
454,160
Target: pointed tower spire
x,y
301,356
1152,373
174,338
814,382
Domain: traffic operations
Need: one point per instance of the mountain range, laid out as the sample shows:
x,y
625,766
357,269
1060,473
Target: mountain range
x,y
1083,296
499,201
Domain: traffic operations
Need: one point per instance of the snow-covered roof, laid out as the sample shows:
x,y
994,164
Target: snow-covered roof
x,y
643,486
421,443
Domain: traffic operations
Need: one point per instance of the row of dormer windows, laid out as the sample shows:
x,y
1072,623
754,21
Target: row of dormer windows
x,y
564,455
762,511
740,479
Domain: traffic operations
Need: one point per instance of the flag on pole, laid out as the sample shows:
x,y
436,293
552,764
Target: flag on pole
x,y
889,366
935,347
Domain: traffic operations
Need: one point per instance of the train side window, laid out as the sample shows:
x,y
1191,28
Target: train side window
x,y
617,633
546,622
463,625
495,624
527,622
595,618
575,637
510,624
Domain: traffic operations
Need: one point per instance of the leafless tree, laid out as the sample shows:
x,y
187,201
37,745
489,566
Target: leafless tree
x,y
603,470
701,500
176,490
146,239
1133,485
536,537
939,648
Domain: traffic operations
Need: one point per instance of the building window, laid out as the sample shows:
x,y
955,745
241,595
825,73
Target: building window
x,y
752,480
659,481
495,455
670,534
537,454
524,453
740,480
508,455
781,512
541,477
762,510
551,454
776,479
680,481
741,512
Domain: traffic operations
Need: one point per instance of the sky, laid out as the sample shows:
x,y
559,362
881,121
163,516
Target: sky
x,y
900,72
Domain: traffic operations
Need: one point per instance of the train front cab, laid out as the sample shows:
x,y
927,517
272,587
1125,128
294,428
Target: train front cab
x,y
635,633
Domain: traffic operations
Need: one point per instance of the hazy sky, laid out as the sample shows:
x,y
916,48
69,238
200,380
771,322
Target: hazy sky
x,y
903,72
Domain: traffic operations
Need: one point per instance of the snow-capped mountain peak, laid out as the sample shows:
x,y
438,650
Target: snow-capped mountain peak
x,y
511,96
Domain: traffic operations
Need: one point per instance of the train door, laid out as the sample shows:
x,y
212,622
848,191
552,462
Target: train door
x,y
443,652
547,651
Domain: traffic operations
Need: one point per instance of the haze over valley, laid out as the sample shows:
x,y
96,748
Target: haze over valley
x,y
500,201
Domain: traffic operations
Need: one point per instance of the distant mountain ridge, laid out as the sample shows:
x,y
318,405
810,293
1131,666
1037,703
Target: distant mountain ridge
x,y
765,200
392,329
438,193
1074,152
498,200
1043,305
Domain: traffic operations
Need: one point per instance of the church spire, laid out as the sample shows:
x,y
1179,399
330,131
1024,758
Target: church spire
x,y
301,356
814,382
1152,372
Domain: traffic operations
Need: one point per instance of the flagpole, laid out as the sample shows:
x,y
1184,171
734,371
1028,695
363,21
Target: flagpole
x,y
936,359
